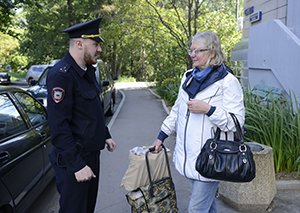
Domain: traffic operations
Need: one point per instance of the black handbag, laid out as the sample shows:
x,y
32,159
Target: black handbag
x,y
226,160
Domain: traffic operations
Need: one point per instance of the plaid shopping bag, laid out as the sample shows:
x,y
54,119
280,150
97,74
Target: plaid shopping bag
x,y
158,196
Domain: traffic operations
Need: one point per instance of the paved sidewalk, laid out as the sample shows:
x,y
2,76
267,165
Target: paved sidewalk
x,y
137,124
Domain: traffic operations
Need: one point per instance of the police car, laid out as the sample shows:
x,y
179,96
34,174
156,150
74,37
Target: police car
x,y
104,78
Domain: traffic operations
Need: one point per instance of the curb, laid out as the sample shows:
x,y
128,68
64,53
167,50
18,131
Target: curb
x,y
162,101
112,120
288,184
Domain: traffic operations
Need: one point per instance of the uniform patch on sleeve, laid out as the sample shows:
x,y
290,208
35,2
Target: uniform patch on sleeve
x,y
58,94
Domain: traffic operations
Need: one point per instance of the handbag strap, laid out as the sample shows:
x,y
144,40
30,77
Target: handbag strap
x,y
148,168
237,126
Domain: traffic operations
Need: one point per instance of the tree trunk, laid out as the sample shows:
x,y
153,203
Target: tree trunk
x,y
189,62
71,15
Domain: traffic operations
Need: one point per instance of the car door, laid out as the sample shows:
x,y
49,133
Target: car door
x,y
21,164
36,115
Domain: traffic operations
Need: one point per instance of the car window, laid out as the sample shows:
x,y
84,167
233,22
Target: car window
x,y
34,110
11,121
38,69
102,73
42,80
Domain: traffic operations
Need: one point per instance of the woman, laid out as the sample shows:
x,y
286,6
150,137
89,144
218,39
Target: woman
x,y
206,96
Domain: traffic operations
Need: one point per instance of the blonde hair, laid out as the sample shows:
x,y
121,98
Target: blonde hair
x,y
212,42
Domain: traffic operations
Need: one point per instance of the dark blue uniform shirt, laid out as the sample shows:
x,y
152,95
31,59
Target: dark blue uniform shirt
x,y
76,117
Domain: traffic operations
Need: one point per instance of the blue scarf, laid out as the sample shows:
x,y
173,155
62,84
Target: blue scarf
x,y
199,75
197,81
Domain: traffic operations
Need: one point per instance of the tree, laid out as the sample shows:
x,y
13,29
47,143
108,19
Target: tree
x,y
192,16
147,39
43,39
136,44
10,47
8,11
150,38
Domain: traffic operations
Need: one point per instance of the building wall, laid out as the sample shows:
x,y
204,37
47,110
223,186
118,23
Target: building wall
x,y
269,52
273,56
274,50
293,18
271,9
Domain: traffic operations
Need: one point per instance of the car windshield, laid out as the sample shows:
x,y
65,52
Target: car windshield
x,y
42,79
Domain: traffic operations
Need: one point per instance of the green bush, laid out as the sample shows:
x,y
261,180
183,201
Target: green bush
x,y
276,124
168,90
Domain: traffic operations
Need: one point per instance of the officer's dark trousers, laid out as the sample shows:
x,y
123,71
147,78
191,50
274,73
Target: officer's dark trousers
x,y
78,197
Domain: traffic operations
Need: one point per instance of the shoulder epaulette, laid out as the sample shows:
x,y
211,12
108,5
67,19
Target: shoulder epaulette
x,y
64,68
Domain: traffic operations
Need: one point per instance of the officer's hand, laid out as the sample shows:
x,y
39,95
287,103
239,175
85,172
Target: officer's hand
x,y
84,174
110,145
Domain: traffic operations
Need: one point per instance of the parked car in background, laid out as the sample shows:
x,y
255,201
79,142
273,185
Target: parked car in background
x,y
108,97
53,62
34,72
106,80
25,169
4,78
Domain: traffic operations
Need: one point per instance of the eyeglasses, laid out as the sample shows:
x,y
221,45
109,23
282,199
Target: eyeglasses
x,y
195,51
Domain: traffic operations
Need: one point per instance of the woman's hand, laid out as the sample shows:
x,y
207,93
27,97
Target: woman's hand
x,y
197,106
157,143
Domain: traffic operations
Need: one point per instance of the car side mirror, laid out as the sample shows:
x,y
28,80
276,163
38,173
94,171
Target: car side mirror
x,y
33,82
105,83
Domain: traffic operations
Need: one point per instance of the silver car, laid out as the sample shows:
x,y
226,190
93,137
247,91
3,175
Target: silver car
x,y
35,72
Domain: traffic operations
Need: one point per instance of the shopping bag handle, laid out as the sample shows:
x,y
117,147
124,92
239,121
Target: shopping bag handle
x,y
152,149
148,167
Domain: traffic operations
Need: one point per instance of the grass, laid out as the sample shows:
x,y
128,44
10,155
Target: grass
x,y
125,79
14,76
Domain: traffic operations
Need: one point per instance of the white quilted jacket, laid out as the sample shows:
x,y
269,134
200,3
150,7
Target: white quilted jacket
x,y
192,130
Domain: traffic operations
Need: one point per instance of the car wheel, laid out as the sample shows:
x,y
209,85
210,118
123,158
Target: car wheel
x,y
111,109
29,81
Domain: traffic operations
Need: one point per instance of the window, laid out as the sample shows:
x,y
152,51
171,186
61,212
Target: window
x,y
240,70
34,110
11,121
102,72
42,80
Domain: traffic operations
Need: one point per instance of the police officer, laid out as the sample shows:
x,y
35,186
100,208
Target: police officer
x,y
76,120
